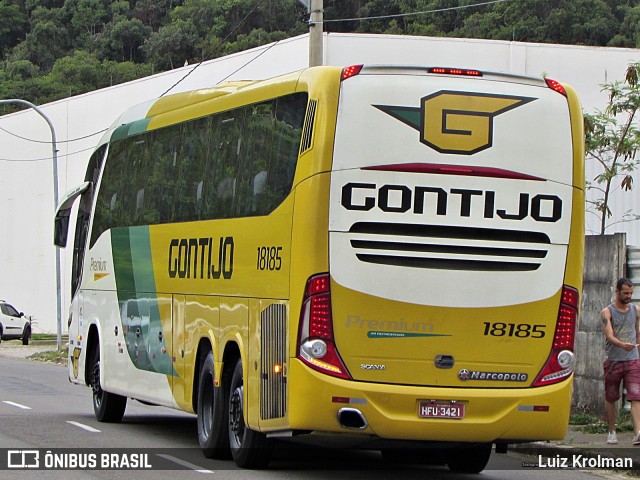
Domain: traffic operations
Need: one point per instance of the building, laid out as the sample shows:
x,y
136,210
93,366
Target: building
x,y
27,254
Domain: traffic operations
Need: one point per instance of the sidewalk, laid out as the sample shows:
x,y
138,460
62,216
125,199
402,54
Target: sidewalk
x,y
583,451
578,439
15,349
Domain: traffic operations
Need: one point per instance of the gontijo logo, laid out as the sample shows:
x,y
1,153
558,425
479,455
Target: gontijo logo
x,y
456,122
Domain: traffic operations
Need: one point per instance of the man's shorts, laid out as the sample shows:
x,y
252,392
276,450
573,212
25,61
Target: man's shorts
x,y
615,372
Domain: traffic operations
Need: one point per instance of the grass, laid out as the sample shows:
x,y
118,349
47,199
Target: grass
x,y
51,356
48,337
590,423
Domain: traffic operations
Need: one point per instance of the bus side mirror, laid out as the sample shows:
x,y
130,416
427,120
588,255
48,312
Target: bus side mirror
x,y
61,227
61,222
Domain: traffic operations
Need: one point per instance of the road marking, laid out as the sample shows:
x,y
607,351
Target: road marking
x,y
191,466
14,404
83,426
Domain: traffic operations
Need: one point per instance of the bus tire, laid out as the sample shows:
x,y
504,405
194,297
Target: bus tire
x,y
213,424
107,407
250,449
470,459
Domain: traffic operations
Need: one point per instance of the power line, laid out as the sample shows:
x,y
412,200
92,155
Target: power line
x,y
250,61
46,158
377,17
49,141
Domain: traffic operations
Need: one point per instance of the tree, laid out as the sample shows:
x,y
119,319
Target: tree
x,y
629,33
585,22
171,46
89,16
47,40
13,26
153,12
122,40
613,140
21,70
254,39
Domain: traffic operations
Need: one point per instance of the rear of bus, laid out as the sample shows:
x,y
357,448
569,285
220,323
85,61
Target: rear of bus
x,y
455,256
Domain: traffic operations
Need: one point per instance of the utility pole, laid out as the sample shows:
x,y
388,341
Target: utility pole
x,y
55,206
316,22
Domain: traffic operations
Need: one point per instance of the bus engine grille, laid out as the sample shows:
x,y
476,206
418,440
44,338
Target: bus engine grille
x,y
448,247
273,350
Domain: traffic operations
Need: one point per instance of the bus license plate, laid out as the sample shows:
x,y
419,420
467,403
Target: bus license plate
x,y
441,410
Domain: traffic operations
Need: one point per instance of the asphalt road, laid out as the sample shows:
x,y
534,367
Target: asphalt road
x,y
40,411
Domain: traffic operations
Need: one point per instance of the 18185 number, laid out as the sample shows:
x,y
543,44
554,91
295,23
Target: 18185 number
x,y
269,258
520,330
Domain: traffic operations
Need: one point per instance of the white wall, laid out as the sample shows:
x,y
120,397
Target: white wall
x,y
27,256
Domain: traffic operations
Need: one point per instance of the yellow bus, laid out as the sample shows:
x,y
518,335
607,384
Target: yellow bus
x,y
387,254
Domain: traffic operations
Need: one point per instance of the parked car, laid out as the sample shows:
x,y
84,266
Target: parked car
x,y
14,324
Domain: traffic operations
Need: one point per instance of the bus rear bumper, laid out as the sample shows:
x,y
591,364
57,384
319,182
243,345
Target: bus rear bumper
x,y
322,403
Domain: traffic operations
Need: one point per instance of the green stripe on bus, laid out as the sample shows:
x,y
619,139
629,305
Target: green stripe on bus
x,y
138,301
143,264
122,263
130,129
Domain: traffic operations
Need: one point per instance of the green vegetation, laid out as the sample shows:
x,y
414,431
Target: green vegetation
x,y
590,423
613,140
52,49
47,337
51,356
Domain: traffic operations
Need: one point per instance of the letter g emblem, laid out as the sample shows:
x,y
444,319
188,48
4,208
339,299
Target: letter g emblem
x,y
462,122
456,122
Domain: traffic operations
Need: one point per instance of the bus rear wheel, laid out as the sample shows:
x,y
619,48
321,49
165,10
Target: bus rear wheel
x,y
250,449
108,407
212,421
469,460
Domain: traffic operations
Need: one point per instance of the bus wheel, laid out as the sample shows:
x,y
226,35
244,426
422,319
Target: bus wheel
x,y
108,407
469,460
250,449
212,414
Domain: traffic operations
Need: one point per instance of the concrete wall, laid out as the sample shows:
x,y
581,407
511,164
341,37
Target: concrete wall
x,y
605,262
633,270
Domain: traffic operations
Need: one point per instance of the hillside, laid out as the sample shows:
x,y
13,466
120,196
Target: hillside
x,y
52,49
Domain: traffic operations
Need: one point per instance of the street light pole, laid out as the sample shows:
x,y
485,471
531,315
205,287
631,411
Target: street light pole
x,y
55,206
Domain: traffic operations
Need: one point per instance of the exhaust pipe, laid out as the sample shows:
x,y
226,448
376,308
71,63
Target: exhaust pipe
x,y
352,418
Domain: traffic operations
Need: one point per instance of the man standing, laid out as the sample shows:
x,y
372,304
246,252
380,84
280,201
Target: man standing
x,y
621,331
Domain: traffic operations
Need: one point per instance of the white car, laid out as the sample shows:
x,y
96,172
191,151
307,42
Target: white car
x,y
14,324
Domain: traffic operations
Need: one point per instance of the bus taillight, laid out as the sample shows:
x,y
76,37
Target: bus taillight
x,y
316,346
556,86
351,71
465,72
561,362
